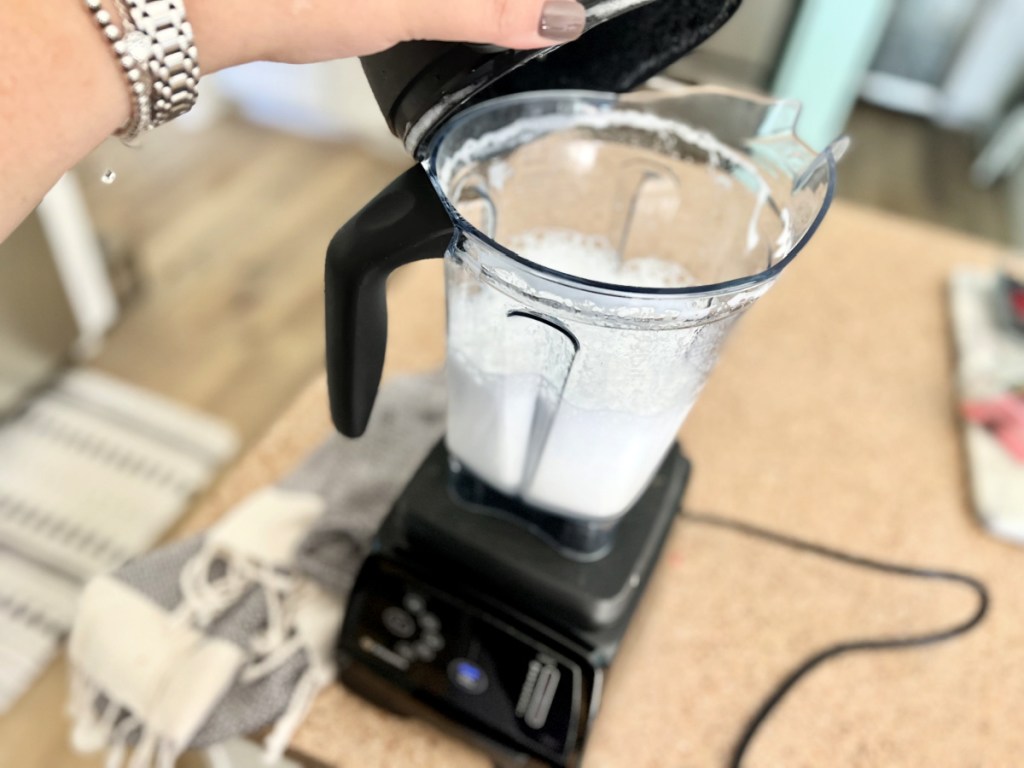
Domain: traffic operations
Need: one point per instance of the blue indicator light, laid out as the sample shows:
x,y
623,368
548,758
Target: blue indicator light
x,y
467,676
468,673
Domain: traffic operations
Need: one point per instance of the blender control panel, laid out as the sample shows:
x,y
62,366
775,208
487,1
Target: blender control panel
x,y
506,683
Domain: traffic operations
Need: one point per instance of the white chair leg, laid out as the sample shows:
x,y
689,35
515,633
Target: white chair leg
x,y
1003,152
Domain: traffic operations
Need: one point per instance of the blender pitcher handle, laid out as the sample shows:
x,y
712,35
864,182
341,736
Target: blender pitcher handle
x,y
406,222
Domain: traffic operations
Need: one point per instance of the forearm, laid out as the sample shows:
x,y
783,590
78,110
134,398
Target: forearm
x,y
61,94
62,91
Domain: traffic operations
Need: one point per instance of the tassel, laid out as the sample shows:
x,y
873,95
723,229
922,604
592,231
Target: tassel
x,y
203,599
167,754
279,642
118,745
93,727
145,750
309,685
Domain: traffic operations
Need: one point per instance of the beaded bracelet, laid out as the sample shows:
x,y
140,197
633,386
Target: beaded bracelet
x,y
134,71
158,57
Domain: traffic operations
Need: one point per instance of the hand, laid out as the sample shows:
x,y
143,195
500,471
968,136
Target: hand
x,y
232,32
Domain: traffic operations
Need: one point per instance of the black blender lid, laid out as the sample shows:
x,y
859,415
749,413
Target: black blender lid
x,y
419,85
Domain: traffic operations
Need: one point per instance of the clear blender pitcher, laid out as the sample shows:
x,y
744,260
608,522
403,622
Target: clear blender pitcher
x,y
598,250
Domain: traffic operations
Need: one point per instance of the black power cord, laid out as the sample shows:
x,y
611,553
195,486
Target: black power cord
x,y
878,644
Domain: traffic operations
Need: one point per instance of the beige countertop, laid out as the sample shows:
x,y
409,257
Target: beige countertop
x,y
831,416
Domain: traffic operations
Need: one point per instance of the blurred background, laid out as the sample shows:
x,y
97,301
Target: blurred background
x,y
196,276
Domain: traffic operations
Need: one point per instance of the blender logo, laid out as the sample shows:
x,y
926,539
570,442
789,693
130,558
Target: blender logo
x,y
538,691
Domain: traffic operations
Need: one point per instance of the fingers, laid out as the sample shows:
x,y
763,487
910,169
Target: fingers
x,y
300,31
508,23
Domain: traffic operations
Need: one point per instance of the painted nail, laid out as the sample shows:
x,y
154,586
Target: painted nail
x,y
562,20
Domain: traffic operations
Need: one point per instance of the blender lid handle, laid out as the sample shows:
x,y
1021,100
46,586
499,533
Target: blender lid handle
x,y
406,222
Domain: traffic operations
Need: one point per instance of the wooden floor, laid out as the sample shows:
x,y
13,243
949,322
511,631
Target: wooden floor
x,y
909,167
219,239
228,230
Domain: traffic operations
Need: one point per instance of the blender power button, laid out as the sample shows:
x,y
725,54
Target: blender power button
x,y
398,622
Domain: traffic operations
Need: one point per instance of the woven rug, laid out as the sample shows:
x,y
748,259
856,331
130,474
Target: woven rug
x,y
92,472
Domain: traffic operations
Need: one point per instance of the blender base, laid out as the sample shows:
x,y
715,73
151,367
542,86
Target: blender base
x,y
470,620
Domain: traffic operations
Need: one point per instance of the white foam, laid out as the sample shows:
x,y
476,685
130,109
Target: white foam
x,y
579,432
594,258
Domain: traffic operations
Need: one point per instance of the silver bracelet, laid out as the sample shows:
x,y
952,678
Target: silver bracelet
x,y
159,58
172,59
134,71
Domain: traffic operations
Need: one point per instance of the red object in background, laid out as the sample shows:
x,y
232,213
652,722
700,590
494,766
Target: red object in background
x,y
1017,301
1003,416
1013,293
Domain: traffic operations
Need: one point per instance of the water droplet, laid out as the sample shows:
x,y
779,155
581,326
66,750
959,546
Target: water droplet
x,y
108,176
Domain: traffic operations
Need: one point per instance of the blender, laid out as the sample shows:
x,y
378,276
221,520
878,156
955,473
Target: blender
x,y
598,249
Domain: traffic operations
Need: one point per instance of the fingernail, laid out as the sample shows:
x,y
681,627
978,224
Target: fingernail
x,y
562,20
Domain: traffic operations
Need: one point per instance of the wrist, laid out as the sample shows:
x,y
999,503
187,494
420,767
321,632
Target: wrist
x,y
61,94
222,37
229,32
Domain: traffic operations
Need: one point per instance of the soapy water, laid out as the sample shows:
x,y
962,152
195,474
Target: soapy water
x,y
577,420
593,464
580,428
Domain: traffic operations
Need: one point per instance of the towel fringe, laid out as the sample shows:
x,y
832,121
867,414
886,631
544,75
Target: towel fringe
x,y
94,725
167,754
204,599
112,725
120,737
316,677
144,752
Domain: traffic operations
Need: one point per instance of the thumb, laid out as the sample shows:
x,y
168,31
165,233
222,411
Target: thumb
x,y
508,23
